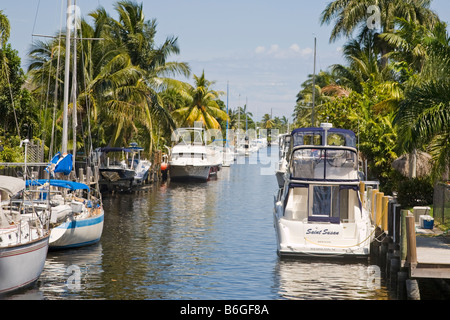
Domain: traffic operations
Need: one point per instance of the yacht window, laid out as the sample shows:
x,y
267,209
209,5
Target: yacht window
x,y
307,139
335,139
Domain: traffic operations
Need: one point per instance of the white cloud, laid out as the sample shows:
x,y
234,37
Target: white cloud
x,y
295,47
306,52
275,51
260,49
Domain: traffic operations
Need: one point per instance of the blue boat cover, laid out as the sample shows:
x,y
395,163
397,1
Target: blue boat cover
x,y
63,163
72,185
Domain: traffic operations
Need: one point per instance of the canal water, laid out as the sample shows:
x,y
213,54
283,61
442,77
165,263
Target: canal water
x,y
209,241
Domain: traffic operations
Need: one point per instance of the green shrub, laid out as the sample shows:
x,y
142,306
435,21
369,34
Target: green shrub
x,y
415,192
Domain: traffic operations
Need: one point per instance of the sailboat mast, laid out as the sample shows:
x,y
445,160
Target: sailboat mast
x,y
314,85
226,133
74,93
66,81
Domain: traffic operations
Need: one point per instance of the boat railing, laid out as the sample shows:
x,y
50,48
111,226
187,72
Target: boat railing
x,y
18,211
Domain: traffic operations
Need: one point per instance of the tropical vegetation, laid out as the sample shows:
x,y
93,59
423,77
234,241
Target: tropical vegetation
x,y
394,88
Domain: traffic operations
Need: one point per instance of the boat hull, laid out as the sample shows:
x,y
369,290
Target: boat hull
x,y
295,238
22,265
77,233
189,172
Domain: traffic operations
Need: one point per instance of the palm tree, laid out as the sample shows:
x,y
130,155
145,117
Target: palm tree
x,y
245,116
363,65
16,107
137,35
233,118
364,68
267,122
303,107
4,29
120,78
350,15
107,82
423,118
411,42
201,105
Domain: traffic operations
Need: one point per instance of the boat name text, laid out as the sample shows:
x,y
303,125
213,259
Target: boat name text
x,y
324,232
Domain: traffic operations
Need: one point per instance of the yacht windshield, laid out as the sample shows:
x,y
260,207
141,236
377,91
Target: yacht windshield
x,y
190,137
324,164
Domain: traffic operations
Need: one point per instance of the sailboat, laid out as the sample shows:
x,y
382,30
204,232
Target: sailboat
x,y
76,209
228,153
24,236
76,215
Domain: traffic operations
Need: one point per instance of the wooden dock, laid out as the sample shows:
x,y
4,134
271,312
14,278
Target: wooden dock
x,y
432,256
407,252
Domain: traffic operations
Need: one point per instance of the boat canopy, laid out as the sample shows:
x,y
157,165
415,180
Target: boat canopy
x,y
134,147
72,185
315,137
11,185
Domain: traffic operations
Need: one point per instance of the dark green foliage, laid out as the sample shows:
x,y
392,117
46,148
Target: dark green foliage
x,y
415,192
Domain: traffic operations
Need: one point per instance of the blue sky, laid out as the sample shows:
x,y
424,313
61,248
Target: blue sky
x,y
262,48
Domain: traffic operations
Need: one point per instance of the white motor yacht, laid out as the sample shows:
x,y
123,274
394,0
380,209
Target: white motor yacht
x,y
318,211
191,158
284,142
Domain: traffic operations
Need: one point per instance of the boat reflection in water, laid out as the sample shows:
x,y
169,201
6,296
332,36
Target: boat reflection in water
x,y
311,279
195,241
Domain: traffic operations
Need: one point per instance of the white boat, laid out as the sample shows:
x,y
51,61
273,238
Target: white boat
x,y
284,142
260,143
318,211
244,147
191,158
121,168
76,215
141,166
228,156
24,237
76,212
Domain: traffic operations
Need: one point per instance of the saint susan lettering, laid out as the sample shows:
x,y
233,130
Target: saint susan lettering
x,y
322,232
